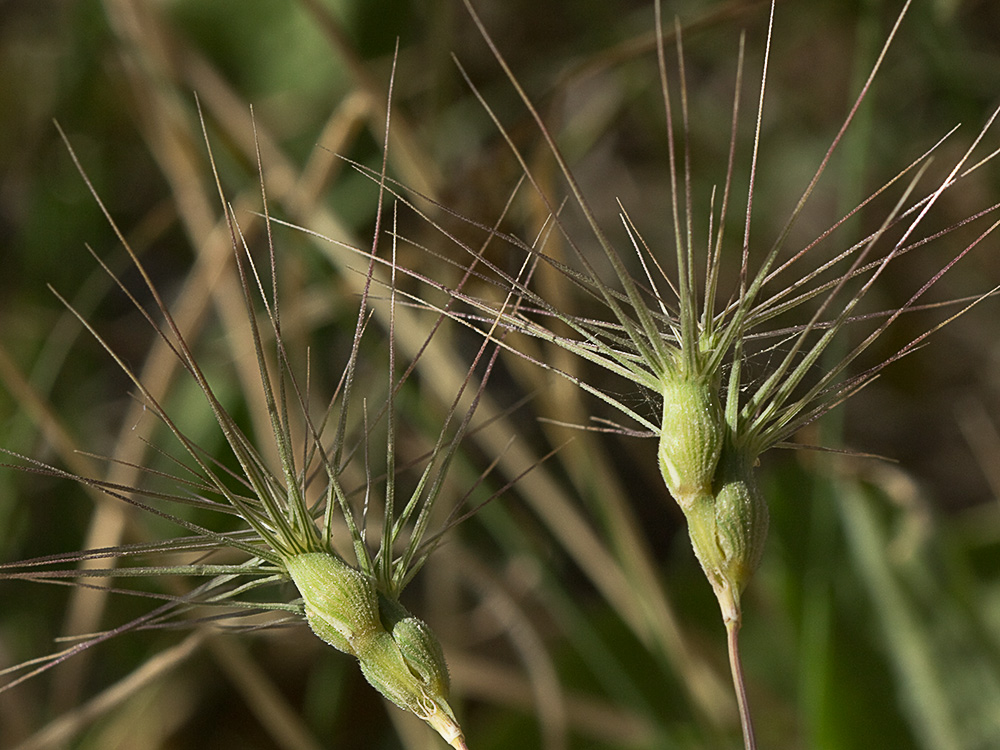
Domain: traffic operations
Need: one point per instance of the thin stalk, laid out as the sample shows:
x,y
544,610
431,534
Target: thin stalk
x,y
746,722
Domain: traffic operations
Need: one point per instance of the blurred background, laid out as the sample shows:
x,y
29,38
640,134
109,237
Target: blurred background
x,y
572,610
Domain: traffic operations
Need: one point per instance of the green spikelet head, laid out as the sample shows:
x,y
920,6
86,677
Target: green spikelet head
x,y
713,481
398,653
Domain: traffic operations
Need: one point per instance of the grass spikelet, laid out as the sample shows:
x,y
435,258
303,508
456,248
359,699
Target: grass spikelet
x,y
293,518
617,254
679,335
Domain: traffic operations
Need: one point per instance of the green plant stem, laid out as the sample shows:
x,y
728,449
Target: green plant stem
x,y
746,722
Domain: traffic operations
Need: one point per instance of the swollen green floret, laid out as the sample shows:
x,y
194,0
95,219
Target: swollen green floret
x,y
691,437
398,653
713,481
728,527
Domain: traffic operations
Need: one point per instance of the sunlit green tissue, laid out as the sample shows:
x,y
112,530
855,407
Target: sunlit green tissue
x,y
713,480
691,437
398,653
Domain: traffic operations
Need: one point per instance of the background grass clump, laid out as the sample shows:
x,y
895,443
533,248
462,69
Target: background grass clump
x,y
573,613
